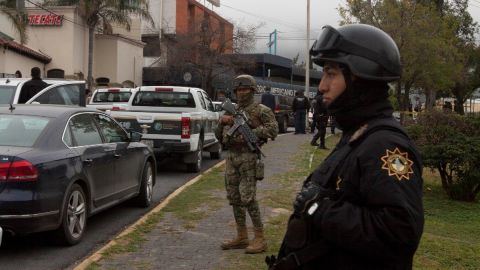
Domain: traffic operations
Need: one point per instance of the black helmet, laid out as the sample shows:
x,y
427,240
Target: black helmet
x,y
368,52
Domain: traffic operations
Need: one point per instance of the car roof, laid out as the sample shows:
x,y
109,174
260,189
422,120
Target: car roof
x,y
114,89
43,110
17,81
168,88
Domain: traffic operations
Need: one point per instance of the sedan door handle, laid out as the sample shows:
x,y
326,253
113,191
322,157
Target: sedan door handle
x,y
88,162
117,156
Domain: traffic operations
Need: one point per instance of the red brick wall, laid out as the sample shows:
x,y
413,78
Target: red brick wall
x,y
190,14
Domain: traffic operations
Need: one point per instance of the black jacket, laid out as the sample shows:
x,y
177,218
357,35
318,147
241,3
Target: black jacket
x,y
268,99
300,103
374,220
30,89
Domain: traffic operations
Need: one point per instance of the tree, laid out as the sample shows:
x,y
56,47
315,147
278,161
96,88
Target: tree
x,y
209,53
18,20
449,143
425,41
101,14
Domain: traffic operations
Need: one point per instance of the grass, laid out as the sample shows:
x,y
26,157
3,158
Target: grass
x,y
450,239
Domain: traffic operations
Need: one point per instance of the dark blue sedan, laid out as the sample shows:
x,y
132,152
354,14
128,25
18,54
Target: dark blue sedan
x,y
59,165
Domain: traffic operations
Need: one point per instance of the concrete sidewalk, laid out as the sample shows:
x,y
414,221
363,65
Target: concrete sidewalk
x,y
171,246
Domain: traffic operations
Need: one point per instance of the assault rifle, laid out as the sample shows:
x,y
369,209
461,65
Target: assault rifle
x,y
240,124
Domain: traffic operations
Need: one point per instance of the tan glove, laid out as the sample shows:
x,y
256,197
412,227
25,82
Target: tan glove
x,y
226,120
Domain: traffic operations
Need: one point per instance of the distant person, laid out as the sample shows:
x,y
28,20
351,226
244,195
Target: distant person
x,y
313,103
32,87
332,124
18,74
300,107
320,115
88,95
221,95
268,99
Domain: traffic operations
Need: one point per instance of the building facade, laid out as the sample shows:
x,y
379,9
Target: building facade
x,y
60,34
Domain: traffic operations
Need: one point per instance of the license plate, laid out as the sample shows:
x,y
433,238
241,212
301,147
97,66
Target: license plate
x,y
149,143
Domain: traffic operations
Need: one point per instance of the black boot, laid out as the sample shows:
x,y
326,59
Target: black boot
x,y
313,143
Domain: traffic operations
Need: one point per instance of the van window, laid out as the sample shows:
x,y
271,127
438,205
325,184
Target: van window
x,y
163,99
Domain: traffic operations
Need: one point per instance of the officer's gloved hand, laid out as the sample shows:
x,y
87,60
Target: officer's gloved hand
x,y
310,193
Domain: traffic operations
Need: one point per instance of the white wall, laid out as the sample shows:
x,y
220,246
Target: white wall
x,y
11,61
120,60
163,13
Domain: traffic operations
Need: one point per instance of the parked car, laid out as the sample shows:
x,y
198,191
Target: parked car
x,y
110,98
61,164
179,121
62,92
283,111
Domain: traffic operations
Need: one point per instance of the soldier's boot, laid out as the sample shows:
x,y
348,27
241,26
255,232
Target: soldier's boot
x,y
240,242
259,244
313,143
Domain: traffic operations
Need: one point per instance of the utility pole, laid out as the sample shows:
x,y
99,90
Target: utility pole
x,y
307,60
21,6
307,53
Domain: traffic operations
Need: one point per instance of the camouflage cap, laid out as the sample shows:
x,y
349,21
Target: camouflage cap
x,y
244,81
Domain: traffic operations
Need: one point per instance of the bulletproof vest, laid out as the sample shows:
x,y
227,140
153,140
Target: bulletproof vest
x,y
253,112
301,243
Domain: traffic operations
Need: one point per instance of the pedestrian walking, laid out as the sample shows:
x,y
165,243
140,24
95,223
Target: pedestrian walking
x,y
320,115
362,207
313,103
332,124
32,87
243,166
300,107
268,99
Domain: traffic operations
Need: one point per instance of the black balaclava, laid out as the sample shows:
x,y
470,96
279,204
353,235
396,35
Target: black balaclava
x,y
361,101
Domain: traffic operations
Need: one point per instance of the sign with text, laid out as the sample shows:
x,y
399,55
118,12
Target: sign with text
x,y
45,20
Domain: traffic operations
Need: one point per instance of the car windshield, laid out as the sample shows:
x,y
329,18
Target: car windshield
x,y
164,99
109,97
6,94
21,130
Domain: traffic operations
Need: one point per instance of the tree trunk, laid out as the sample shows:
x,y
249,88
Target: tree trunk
x,y
91,35
430,96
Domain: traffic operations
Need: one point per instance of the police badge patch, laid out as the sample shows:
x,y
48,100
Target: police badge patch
x,y
396,163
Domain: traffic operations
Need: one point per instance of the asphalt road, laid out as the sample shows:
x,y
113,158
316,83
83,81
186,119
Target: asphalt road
x,y
38,252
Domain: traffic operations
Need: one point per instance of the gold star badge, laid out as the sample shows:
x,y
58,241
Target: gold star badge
x,y
397,164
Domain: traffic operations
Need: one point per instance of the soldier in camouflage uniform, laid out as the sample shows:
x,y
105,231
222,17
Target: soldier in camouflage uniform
x,y
240,174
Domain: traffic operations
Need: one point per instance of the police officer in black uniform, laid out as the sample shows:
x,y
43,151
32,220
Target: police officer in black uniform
x,y
362,207
320,117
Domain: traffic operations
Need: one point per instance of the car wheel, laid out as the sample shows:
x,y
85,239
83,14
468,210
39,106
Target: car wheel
x,y
74,219
144,198
197,166
217,154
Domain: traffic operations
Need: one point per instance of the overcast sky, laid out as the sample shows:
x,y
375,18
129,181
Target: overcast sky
x,y
289,17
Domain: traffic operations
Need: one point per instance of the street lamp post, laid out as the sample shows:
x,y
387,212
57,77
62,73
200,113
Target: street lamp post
x,y
307,60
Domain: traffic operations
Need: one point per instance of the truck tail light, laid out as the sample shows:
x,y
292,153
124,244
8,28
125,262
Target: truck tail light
x,y
19,170
185,128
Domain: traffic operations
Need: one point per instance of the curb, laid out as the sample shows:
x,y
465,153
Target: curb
x,y
98,254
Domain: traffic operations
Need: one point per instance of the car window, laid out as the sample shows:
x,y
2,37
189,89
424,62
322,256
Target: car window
x,y
110,129
84,130
62,95
108,97
21,130
163,99
209,103
202,102
6,94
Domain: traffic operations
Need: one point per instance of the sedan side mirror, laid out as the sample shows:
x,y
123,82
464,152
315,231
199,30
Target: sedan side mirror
x,y
135,136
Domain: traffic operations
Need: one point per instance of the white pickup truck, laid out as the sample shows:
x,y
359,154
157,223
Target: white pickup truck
x,y
178,120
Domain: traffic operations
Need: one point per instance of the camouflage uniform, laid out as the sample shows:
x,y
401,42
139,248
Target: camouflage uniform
x,y
240,181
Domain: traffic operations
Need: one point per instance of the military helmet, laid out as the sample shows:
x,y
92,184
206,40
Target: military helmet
x,y
368,52
244,81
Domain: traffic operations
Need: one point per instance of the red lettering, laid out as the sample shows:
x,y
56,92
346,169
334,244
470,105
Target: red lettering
x,y
37,19
30,19
42,19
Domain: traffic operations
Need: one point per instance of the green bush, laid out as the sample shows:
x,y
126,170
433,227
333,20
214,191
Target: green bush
x,y
450,143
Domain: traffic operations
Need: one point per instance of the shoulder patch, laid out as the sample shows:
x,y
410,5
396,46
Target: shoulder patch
x,y
397,164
